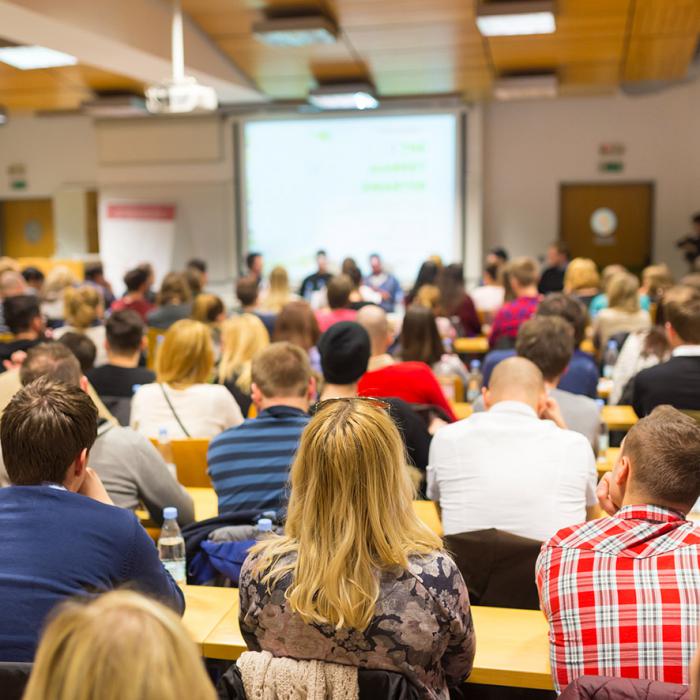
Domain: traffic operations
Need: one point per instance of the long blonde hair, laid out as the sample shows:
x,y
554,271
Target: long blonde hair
x,y
242,338
120,645
82,306
581,273
279,294
623,292
350,516
57,279
186,355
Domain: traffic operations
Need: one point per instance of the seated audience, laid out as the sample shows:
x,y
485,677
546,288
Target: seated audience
x,y
297,324
338,291
198,267
130,467
421,342
249,464
316,281
345,352
357,579
582,280
552,279
600,302
522,276
548,342
116,381
383,282
242,338
254,264
12,284
361,295
86,543
208,309
490,295
427,275
455,303
173,300
497,256
57,281
24,320
34,278
247,294
581,376
676,382
414,382
279,293
83,348
656,279
118,645
622,594
375,321
83,312
182,401
138,285
515,468
95,276
623,313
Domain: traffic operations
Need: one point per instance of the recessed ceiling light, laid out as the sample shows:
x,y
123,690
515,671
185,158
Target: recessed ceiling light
x,y
293,32
515,18
526,87
33,57
344,96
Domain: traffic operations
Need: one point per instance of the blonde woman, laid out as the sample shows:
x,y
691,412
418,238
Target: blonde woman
x,y
121,645
57,281
242,338
582,280
623,314
357,578
279,293
182,401
83,312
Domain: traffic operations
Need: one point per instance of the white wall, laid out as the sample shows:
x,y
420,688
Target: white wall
x,y
531,147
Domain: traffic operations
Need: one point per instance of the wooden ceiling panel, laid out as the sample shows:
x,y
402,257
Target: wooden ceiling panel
x,y
385,13
659,58
410,37
44,99
587,74
663,17
432,83
405,60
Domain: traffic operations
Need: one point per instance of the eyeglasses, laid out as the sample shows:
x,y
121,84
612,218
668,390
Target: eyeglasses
x,y
371,400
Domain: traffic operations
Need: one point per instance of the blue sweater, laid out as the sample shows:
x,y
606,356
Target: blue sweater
x,y
56,544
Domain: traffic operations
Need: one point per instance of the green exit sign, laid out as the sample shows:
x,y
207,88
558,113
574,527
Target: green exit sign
x,y
611,166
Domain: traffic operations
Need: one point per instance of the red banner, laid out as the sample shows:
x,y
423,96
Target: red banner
x,y
144,212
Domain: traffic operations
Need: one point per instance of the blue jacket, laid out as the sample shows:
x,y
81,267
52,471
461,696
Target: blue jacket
x,y
55,545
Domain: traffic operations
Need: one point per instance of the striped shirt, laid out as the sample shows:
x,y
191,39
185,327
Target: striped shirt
x,y
249,464
622,596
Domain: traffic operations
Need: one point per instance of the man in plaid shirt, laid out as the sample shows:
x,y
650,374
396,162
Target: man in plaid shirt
x,y
522,275
622,594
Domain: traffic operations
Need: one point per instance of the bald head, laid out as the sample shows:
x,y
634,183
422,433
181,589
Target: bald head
x,y
374,320
515,379
12,284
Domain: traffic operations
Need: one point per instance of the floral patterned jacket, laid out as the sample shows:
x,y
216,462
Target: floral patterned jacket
x,y
422,626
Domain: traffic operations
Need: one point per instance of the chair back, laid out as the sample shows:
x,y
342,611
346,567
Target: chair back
x,y
694,414
452,387
498,567
119,407
154,337
190,458
14,676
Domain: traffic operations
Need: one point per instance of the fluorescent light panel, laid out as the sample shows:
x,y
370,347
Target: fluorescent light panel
x,y
339,97
296,31
34,57
517,25
526,87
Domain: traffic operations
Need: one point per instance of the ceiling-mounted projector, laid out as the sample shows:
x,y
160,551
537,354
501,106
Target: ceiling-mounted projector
x,y
182,93
186,95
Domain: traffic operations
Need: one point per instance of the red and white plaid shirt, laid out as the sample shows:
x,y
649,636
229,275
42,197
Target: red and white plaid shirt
x,y
622,596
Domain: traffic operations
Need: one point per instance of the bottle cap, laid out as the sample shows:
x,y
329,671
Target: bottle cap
x,y
170,513
264,525
475,364
162,432
272,514
612,343
600,403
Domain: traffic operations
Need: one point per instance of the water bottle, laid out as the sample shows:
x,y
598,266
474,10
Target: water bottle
x,y
171,546
166,450
610,359
446,376
264,527
603,435
475,381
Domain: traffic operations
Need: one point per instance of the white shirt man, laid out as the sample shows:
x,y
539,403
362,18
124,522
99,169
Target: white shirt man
x,y
512,468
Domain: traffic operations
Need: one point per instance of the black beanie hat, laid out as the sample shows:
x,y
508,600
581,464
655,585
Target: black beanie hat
x,y
345,351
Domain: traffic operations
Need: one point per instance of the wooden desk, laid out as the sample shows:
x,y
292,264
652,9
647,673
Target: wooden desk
x,y
427,512
604,388
206,504
206,607
462,410
618,417
606,465
512,648
472,346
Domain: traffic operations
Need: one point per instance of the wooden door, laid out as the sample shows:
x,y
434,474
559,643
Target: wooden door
x,y
608,223
27,228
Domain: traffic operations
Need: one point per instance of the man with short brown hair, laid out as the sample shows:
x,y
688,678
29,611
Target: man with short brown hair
x,y
338,292
249,464
676,382
622,593
61,535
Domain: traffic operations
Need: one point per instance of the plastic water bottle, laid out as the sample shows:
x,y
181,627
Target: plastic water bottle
x,y
610,359
603,435
475,381
166,450
171,546
446,376
264,527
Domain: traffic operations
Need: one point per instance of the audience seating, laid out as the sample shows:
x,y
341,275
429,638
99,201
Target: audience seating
x,y
154,337
472,346
497,567
14,677
190,459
